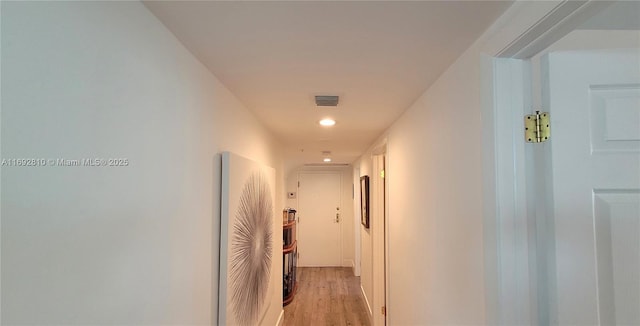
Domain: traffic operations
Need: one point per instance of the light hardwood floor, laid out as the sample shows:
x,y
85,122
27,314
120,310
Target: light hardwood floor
x,y
327,296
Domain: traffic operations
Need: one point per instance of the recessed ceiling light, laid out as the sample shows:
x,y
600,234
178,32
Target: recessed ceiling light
x,y
327,122
327,159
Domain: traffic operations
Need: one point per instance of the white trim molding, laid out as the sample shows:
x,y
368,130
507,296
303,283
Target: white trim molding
x,y
348,263
506,219
555,24
280,318
366,301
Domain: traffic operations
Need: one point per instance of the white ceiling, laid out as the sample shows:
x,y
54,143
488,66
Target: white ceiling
x,y
620,15
377,56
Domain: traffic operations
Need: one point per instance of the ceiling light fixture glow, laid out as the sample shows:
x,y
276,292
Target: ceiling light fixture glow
x,y
327,159
327,122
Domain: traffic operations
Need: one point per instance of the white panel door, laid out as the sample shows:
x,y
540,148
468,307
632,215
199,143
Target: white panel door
x,y
594,101
319,221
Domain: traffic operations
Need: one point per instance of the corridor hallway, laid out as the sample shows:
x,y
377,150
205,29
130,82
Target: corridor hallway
x,y
115,116
326,296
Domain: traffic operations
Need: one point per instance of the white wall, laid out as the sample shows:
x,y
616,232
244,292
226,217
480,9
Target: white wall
x,y
434,177
348,235
346,227
435,204
357,215
114,245
365,166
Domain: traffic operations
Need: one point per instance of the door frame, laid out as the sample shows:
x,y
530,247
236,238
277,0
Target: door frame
x,y
380,206
355,193
511,262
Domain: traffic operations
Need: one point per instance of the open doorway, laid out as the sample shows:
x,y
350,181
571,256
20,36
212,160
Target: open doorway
x,y
379,230
373,236
568,204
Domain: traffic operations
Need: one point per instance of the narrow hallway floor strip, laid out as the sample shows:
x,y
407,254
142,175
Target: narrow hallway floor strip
x,y
327,296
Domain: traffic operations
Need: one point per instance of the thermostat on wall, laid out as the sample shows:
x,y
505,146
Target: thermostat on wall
x,y
291,195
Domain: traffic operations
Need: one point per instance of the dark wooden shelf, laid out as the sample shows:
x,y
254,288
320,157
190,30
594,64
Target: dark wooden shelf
x,y
289,261
289,249
289,298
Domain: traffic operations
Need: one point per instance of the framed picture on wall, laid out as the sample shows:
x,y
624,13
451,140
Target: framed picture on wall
x,y
249,278
364,200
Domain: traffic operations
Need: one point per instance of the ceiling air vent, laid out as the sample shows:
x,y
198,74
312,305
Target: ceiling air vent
x,y
324,165
327,100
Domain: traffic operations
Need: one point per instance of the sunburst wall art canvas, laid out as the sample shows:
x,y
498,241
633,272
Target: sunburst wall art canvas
x,y
247,241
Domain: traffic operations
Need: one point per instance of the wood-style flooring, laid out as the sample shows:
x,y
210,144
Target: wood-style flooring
x,y
326,296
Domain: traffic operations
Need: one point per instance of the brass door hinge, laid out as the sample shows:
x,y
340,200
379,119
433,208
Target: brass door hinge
x,y
537,127
383,310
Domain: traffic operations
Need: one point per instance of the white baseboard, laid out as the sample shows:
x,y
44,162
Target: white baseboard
x,y
366,301
280,318
348,263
